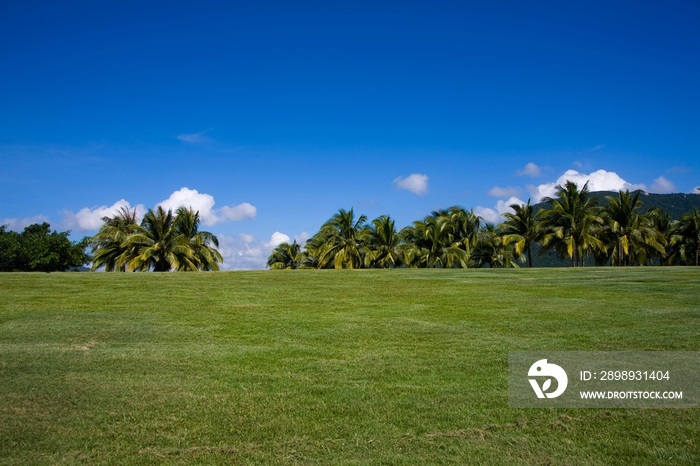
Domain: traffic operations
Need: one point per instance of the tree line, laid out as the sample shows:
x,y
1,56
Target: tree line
x,y
38,249
574,225
162,242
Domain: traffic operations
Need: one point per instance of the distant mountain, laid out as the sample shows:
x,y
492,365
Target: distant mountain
x,y
82,268
674,204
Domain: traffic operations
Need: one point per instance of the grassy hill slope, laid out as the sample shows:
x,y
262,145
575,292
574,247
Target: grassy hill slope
x,y
329,367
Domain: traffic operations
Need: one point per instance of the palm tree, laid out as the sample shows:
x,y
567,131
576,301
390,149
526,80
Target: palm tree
x,y
521,229
342,240
162,242
466,227
286,256
633,235
202,243
572,224
108,244
686,237
491,249
661,222
382,243
310,254
431,243
158,245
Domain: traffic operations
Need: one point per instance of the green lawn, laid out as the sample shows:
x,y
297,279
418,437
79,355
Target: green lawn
x,y
329,367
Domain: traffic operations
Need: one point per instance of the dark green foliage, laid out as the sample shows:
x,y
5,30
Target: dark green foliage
x,y
383,241
161,243
38,249
286,257
109,243
342,241
571,226
685,237
435,242
492,250
576,228
676,205
630,237
520,229
550,258
444,239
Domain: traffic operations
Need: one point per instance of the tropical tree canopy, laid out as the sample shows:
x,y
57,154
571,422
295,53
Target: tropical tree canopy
x,y
203,244
492,250
630,237
108,245
382,243
38,249
686,237
520,229
573,226
432,242
286,256
162,242
341,241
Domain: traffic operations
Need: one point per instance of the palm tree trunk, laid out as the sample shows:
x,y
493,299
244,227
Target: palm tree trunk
x,y
619,256
529,257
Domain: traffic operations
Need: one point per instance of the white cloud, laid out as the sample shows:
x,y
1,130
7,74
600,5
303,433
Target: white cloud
x,y
696,190
278,238
577,164
241,253
504,206
531,170
302,238
247,239
204,203
91,218
662,185
599,180
18,224
246,252
489,215
416,183
239,212
495,215
194,138
508,191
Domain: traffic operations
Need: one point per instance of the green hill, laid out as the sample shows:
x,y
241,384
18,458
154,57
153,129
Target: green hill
x,y
675,204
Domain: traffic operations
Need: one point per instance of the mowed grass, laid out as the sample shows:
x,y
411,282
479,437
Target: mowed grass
x,y
329,367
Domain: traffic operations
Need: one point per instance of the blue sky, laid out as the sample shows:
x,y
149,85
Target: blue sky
x,y
279,113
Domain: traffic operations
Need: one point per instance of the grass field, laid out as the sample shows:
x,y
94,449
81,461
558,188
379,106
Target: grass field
x,y
329,367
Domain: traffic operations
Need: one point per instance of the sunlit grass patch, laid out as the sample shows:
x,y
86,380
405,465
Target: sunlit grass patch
x,y
328,367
